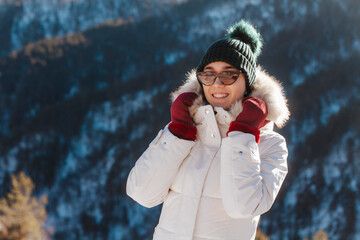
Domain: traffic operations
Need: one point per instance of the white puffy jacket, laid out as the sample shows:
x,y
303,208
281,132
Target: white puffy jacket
x,y
215,187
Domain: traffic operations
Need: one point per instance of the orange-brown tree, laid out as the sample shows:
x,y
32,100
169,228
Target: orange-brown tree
x,y
22,216
260,235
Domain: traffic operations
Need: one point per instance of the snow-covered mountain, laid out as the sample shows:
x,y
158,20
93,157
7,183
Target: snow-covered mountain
x,y
76,111
25,21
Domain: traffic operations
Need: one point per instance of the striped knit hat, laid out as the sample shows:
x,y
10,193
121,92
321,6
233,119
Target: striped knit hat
x,y
240,48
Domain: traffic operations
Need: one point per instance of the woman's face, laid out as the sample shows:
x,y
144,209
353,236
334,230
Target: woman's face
x,y
220,95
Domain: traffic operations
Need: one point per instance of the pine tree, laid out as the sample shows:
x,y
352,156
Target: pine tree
x,y
319,235
22,217
260,235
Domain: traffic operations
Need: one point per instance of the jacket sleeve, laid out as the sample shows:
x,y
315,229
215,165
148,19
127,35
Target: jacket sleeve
x,y
149,180
251,179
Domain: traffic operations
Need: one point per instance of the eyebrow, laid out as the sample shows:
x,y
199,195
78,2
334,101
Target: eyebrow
x,y
226,67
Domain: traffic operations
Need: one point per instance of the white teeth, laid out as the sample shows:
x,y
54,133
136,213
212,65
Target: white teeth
x,y
220,95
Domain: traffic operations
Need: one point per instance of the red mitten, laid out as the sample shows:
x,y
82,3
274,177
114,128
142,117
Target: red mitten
x,y
252,117
181,122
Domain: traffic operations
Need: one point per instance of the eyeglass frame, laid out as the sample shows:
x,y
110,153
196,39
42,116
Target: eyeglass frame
x,y
219,75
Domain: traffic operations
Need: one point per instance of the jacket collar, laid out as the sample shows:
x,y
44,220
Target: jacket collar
x,y
266,88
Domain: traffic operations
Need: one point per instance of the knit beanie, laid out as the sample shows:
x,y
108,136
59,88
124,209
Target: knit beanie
x,y
240,48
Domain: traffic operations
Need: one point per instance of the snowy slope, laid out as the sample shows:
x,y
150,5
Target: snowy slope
x,y
37,19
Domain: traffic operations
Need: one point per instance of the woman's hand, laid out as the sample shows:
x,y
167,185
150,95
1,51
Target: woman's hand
x,y
252,117
181,122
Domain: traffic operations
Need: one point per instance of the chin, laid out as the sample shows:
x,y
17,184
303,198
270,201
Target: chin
x,y
223,105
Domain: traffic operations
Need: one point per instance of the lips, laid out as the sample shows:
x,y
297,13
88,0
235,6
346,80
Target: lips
x,y
220,95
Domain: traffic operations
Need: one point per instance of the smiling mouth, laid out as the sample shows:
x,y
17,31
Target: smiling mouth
x,y
220,95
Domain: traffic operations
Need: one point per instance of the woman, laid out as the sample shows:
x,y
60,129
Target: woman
x,y
218,165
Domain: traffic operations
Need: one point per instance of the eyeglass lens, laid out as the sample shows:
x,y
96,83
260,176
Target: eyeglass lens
x,y
226,78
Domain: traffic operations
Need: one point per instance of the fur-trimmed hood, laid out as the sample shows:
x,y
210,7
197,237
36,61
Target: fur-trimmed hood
x,y
266,88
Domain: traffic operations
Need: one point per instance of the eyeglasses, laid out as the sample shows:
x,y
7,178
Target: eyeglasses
x,y
226,78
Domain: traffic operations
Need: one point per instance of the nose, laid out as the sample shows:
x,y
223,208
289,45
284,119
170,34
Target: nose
x,y
217,81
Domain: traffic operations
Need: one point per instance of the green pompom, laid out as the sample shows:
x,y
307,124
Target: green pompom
x,y
247,33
